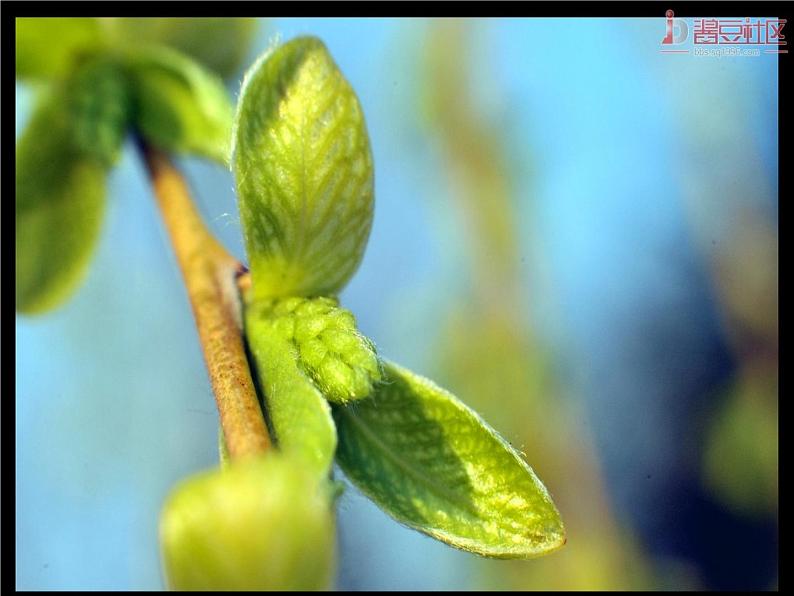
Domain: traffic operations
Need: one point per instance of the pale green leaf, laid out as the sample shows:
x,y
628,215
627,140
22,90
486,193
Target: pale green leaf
x,y
49,47
303,169
60,201
219,44
259,524
179,105
436,466
298,413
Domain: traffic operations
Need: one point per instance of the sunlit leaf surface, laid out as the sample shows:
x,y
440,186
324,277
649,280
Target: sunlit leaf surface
x,y
304,174
434,465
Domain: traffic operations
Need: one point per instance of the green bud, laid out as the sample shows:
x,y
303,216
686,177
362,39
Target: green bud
x,y
341,361
260,524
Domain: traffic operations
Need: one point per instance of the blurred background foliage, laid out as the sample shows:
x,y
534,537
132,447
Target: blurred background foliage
x,y
487,350
579,240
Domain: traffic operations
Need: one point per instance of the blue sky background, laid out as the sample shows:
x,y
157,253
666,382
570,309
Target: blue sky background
x,y
625,159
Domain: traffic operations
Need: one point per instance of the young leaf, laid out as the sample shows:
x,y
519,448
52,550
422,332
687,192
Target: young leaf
x,y
179,105
303,168
219,44
436,466
260,524
49,47
100,109
60,201
299,414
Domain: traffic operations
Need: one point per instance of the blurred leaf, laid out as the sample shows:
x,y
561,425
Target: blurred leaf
x,y
746,278
100,109
298,413
60,201
261,524
487,347
219,44
48,47
179,105
304,175
741,456
434,465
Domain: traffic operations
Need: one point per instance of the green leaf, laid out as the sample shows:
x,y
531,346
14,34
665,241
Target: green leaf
x,y
303,169
100,109
49,47
179,105
219,44
60,201
298,413
260,524
436,466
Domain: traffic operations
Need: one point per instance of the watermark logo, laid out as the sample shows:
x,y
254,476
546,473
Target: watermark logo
x,y
676,30
724,37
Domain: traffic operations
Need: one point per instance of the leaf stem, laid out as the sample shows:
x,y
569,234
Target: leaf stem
x,y
211,277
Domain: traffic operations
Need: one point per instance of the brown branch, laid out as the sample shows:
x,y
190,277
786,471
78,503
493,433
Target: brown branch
x,y
210,275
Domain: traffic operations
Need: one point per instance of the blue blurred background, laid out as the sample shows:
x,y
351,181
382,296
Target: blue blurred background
x,y
573,231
